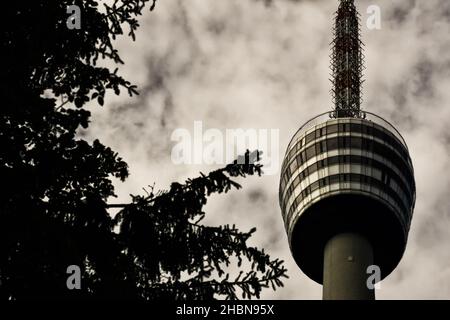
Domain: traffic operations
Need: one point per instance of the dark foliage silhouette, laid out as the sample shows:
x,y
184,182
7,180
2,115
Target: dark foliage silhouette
x,y
53,207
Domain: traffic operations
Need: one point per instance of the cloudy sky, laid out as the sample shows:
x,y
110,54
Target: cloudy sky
x,y
246,64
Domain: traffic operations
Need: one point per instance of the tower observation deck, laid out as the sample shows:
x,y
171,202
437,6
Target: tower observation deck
x,y
347,189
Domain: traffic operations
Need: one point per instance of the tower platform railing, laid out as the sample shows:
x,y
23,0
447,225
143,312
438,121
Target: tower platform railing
x,y
329,115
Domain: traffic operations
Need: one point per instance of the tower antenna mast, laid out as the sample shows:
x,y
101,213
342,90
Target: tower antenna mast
x,y
347,62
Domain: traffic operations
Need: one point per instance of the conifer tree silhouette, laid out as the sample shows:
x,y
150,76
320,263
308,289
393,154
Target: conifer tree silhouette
x,y
54,208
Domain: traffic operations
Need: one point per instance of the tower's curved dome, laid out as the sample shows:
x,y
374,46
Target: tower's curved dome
x,y
347,175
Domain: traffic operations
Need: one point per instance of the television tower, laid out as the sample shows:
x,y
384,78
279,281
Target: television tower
x,y
347,189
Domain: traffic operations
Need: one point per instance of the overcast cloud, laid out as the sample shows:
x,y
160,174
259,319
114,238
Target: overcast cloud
x,y
246,64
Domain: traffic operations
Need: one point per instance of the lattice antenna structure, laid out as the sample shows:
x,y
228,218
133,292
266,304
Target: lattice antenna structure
x,y
347,62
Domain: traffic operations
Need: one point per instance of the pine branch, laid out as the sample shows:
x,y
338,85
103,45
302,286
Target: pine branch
x,y
237,168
